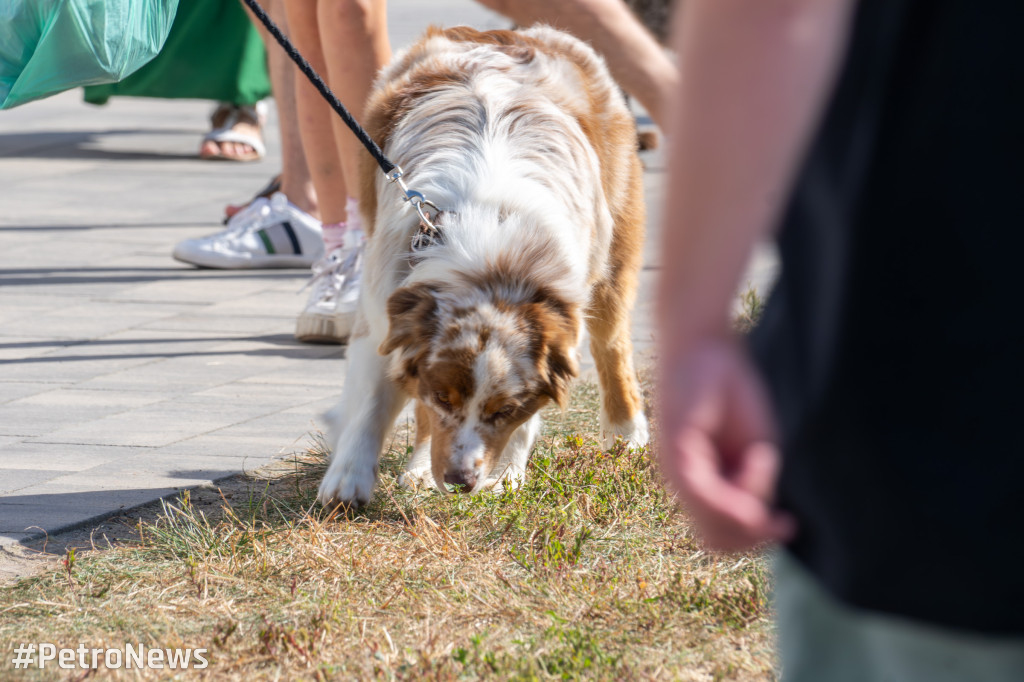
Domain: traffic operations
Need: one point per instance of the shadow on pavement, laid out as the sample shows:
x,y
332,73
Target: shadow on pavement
x,y
75,144
98,226
40,276
37,516
282,346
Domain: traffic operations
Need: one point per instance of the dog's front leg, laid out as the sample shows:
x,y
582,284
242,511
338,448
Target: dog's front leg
x,y
369,405
418,472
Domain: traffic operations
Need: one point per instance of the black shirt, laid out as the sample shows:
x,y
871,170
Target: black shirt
x,y
893,343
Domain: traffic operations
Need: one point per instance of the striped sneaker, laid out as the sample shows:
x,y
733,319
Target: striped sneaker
x,y
268,233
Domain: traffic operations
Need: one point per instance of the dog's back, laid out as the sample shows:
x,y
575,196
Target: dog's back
x,y
536,88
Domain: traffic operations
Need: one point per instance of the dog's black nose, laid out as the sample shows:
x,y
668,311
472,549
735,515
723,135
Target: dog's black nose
x,y
464,479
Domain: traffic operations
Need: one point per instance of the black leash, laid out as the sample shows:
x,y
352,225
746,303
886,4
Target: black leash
x,y
318,82
391,171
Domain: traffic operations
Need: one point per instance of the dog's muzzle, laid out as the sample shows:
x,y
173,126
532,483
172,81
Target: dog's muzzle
x,y
464,479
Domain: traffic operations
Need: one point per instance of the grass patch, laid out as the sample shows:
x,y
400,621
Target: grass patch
x,y
587,571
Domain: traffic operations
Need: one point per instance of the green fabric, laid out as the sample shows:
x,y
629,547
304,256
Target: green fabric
x,y
824,640
48,46
213,52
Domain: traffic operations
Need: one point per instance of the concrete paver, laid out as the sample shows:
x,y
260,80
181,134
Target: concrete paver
x,y
44,457
124,375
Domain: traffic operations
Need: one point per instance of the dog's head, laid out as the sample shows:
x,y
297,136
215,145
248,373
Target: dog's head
x,y
482,364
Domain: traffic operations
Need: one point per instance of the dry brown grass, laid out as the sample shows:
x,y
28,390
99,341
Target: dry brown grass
x,y
588,571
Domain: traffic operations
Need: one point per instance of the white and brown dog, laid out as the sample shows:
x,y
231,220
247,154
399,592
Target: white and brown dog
x,y
525,144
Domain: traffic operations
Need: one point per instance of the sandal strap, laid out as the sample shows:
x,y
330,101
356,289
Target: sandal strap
x,y
227,114
226,134
220,116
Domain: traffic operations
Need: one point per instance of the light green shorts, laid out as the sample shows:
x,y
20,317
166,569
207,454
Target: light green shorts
x,y
823,640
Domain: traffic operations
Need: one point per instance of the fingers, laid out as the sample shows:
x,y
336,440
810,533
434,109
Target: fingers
x,y
758,474
730,519
740,524
731,513
717,447
758,471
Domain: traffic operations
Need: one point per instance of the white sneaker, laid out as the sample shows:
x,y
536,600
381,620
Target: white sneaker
x,y
331,310
268,233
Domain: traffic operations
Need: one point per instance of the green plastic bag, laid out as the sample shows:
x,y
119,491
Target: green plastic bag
x,y
48,46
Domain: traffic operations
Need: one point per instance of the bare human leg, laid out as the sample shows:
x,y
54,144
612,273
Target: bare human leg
x,y
355,42
314,115
295,180
345,41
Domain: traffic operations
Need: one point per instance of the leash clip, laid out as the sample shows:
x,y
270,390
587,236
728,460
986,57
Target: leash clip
x,y
428,232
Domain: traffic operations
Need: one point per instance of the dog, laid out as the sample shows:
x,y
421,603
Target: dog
x,y
526,147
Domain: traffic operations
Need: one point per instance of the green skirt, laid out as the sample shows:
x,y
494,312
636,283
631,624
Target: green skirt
x,y
213,52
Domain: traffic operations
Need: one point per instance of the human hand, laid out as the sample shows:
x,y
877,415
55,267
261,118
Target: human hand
x,y
717,445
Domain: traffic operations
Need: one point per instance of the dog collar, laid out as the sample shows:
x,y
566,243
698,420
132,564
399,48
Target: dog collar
x,y
429,232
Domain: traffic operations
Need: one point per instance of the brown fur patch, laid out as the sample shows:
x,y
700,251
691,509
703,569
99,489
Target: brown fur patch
x,y
422,413
555,363
440,446
412,319
448,382
552,322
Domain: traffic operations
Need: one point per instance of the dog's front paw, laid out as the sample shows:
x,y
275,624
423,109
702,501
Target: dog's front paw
x,y
420,478
347,483
635,433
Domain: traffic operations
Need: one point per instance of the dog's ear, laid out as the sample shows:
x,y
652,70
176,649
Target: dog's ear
x,y
562,368
557,364
412,318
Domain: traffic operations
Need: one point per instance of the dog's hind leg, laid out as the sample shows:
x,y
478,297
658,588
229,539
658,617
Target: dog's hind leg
x,y
418,472
608,321
370,404
510,470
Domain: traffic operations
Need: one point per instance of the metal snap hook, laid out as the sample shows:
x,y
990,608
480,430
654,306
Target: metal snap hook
x,y
417,199
425,217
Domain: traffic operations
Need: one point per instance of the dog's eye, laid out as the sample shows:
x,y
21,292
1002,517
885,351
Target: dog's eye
x,y
503,413
442,400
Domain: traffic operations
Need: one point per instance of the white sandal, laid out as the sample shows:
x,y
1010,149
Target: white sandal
x,y
224,118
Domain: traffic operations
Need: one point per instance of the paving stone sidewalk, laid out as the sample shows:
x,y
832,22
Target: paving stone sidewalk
x,y
124,375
